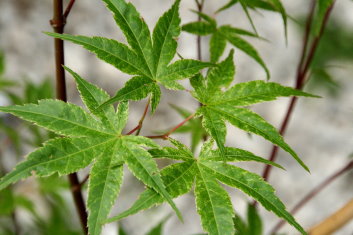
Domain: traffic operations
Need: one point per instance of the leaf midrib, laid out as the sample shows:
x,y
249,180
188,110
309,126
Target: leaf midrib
x,y
61,119
203,180
160,54
135,37
151,197
243,121
60,158
104,110
245,186
103,192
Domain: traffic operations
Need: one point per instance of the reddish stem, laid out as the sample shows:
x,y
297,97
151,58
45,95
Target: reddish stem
x,y
140,124
314,192
68,9
166,135
301,76
58,24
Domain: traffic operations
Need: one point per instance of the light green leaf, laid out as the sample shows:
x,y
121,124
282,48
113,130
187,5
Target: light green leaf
x,y
142,165
231,30
214,205
253,92
110,51
178,179
227,5
254,186
136,88
155,97
164,37
247,48
222,75
199,84
253,123
279,7
182,69
135,30
122,114
140,140
59,117
214,125
62,155
217,46
93,96
103,188
243,4
201,28
180,153
237,155
206,17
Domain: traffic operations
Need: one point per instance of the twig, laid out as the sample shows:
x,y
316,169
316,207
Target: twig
x,y
301,76
58,23
140,124
68,9
335,221
314,192
198,39
166,135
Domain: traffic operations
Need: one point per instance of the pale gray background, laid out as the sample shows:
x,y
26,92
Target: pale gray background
x,y
320,130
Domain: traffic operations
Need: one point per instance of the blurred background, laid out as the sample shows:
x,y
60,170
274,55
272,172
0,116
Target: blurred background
x,y
320,130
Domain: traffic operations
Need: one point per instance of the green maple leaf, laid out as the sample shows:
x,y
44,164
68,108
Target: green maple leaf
x,y
269,5
147,58
220,106
253,226
88,138
212,200
220,35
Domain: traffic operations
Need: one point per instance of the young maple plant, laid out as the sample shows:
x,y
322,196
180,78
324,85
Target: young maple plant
x,y
96,136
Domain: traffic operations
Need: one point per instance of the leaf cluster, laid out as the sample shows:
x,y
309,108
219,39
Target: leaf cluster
x,y
95,137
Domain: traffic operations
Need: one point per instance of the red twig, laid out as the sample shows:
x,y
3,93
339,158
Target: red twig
x,y
140,124
166,135
58,24
302,72
314,192
68,9
198,39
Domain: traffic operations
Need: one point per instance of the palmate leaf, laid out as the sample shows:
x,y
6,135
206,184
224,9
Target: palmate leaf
x,y
104,185
212,201
220,106
147,58
88,137
223,34
270,5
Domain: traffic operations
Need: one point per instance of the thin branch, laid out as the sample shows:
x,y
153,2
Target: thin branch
x,y
335,221
84,180
140,124
308,25
314,192
68,9
198,39
58,24
166,135
301,76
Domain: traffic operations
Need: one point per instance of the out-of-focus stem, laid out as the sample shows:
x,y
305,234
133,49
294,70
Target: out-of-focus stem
x,y
58,23
314,192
